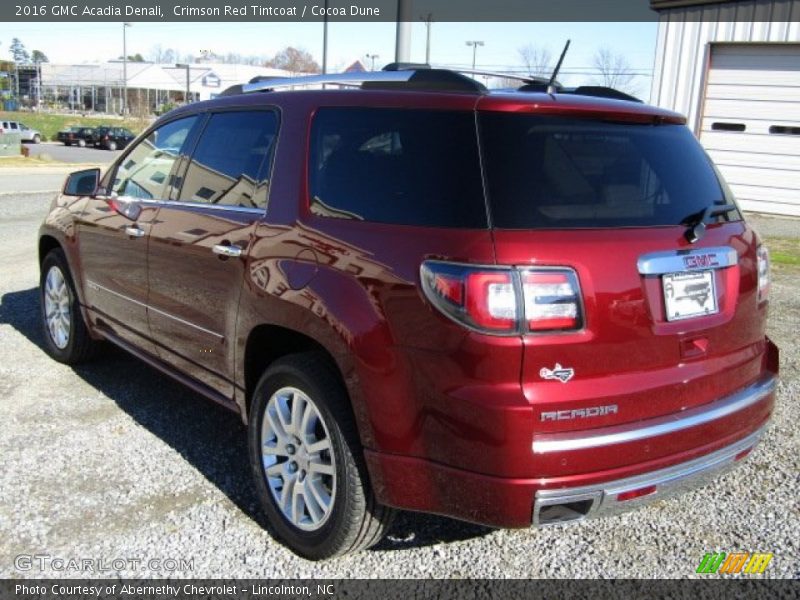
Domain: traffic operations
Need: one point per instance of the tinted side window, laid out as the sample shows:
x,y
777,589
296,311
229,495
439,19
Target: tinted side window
x,y
233,149
402,166
145,171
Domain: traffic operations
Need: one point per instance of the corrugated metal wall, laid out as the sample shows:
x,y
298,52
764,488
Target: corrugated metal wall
x,y
684,35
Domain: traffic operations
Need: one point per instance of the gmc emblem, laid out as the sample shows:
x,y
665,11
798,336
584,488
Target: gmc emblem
x,y
700,261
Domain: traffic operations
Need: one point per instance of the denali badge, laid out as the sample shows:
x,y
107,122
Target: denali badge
x,y
579,413
559,372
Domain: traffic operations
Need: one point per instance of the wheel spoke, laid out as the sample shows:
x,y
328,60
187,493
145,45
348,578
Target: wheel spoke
x,y
318,492
319,446
287,493
274,470
297,410
315,510
276,424
321,468
298,503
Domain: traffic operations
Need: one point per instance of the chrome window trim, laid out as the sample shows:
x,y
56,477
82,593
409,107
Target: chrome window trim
x,y
672,261
179,203
640,430
97,286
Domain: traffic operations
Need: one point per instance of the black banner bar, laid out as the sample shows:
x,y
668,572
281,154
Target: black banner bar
x,y
397,589
387,10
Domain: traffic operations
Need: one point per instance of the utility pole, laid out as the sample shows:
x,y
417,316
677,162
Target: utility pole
x,y
402,51
187,67
428,20
474,44
325,41
125,67
372,57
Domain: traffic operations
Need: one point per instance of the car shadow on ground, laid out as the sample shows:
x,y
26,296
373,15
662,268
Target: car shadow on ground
x,y
211,438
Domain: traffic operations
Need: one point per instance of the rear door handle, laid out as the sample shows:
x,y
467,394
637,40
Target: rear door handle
x,y
227,250
134,231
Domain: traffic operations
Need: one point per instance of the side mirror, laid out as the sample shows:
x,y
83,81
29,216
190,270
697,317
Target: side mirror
x,y
82,183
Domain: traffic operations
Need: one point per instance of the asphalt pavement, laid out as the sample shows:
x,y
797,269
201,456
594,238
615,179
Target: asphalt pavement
x,y
72,154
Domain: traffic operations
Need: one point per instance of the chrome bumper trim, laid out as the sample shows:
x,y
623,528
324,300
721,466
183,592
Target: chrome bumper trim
x,y
669,482
629,432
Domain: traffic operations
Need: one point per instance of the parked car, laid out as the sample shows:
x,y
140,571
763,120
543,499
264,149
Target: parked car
x,y
79,136
26,133
112,138
421,295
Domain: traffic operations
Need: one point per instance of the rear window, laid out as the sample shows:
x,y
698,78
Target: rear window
x,y
401,166
551,172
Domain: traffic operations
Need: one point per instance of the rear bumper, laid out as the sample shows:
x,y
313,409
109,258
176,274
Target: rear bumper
x,y
613,497
705,441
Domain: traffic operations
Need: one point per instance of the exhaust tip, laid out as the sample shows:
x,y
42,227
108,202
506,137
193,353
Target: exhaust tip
x,y
552,514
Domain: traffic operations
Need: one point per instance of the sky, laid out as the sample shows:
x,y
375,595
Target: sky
x,y
98,42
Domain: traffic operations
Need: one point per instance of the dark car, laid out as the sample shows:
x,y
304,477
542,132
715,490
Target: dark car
x,y
79,136
112,138
422,295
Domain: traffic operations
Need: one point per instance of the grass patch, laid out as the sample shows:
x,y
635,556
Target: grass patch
x,y
784,251
50,124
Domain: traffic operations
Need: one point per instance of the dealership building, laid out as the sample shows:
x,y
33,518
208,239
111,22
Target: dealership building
x,y
733,67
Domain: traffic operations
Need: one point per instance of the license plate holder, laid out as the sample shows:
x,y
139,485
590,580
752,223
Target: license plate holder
x,y
689,294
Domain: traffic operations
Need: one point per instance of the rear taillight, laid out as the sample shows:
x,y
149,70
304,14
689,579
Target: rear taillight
x,y
763,273
504,300
552,299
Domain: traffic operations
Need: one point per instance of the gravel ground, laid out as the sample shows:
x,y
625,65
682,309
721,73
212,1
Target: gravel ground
x,y
113,460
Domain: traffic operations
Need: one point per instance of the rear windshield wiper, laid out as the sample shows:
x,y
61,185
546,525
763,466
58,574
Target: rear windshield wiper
x,y
696,223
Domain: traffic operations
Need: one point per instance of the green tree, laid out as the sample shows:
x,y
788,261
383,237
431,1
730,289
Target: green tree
x,y
38,56
18,51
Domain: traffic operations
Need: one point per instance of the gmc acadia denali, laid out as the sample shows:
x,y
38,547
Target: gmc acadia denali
x,y
516,308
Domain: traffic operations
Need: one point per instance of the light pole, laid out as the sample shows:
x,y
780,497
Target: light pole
x,y
372,57
474,44
187,67
125,67
428,20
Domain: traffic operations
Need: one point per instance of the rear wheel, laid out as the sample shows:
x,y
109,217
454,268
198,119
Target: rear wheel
x,y
112,145
65,334
307,461
37,139
81,143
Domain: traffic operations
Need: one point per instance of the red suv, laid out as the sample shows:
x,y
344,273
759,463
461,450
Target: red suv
x,y
516,308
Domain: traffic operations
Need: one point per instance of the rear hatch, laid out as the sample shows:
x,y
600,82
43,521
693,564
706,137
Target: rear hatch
x,y
669,311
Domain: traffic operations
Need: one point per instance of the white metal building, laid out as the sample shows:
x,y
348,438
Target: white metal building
x,y
733,68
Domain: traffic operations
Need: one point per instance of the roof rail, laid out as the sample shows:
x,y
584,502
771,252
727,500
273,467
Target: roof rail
x,y
422,77
395,77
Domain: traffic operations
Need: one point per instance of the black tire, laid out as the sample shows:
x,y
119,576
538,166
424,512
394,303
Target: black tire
x,y
81,143
37,139
356,520
68,143
112,145
80,346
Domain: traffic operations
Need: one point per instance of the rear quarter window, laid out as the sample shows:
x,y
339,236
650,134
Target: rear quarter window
x,y
399,166
554,172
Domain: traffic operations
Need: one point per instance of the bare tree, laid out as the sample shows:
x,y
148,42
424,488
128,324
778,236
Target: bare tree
x,y
536,60
615,71
295,60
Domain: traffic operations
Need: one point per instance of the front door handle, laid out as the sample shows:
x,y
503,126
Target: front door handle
x,y
227,250
134,231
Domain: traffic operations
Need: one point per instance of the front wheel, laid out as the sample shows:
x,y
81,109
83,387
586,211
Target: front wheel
x,y
81,143
37,138
112,145
307,461
66,337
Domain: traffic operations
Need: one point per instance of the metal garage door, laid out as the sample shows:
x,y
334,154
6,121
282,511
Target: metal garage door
x,y
751,123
